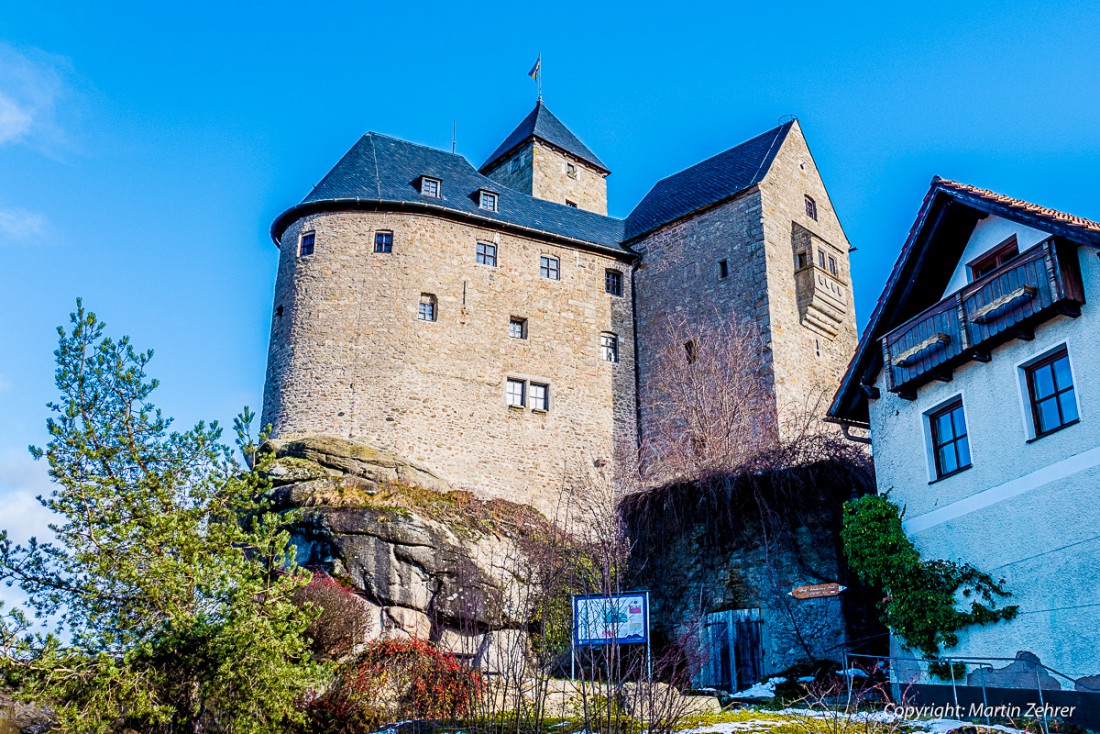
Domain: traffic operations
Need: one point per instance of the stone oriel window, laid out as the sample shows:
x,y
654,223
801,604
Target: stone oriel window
x,y
487,200
428,309
1050,389
609,347
515,393
811,208
833,269
540,396
383,241
430,186
613,282
486,254
306,243
723,269
550,267
821,259
517,328
950,443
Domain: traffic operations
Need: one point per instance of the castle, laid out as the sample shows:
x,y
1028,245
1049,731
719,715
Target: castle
x,y
495,325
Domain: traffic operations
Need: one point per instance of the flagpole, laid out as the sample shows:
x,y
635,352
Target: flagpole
x,y
540,76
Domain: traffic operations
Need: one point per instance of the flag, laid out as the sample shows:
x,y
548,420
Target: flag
x,y
534,73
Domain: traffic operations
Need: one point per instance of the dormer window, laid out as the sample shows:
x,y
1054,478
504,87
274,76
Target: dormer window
x,y
570,170
487,200
429,186
998,256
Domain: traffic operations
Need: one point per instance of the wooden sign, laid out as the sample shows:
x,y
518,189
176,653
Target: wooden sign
x,y
817,591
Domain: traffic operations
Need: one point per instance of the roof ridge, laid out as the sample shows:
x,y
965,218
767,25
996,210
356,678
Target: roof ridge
x,y
1017,203
403,141
721,153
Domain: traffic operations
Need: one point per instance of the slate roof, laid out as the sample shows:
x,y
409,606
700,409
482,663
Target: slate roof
x,y
382,172
897,302
544,125
715,179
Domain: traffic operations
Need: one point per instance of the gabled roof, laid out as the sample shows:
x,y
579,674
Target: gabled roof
x,y
704,184
928,258
381,172
543,125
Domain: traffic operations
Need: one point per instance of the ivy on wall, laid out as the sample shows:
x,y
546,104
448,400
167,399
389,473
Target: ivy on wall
x,y
921,597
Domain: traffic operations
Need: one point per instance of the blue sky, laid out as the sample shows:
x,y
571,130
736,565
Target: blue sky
x,y
145,148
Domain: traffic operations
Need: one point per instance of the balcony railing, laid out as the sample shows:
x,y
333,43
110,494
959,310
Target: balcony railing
x,y
1008,303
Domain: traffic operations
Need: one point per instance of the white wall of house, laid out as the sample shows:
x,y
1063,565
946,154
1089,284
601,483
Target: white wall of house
x,y
1027,511
989,233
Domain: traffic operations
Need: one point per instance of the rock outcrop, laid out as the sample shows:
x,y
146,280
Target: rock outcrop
x,y
428,561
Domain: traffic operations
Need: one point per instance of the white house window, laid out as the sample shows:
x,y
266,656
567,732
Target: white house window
x,y
613,282
1051,393
609,347
549,267
950,442
488,201
429,187
570,170
306,243
517,328
486,254
428,309
515,393
540,396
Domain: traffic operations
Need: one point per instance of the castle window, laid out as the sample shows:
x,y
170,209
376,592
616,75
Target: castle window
x,y
613,282
950,443
1050,387
802,260
723,269
383,241
821,258
609,347
306,243
515,393
486,254
429,186
540,396
517,328
811,208
571,204
488,201
516,163
549,267
689,351
570,170
832,267
428,308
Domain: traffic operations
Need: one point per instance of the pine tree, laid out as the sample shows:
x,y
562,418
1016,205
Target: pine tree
x,y
164,604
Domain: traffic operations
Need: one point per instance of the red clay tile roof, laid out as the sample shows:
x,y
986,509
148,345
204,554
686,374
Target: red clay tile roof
x,y
1023,206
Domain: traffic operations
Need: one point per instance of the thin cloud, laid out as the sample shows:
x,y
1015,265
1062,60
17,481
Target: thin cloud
x,y
20,225
32,85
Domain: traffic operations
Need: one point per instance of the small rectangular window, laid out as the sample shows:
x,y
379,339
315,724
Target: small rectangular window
x,y
832,266
429,187
306,243
488,201
515,393
1050,386
486,254
950,443
517,328
998,256
427,309
515,164
549,267
540,396
689,351
571,204
383,241
613,282
811,208
570,170
609,347
821,258
802,260
723,269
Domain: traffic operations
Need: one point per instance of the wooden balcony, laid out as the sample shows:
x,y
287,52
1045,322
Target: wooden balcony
x,y
1008,303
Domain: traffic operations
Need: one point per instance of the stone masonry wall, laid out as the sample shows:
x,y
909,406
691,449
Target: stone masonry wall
x,y
542,173
808,364
679,279
519,179
349,357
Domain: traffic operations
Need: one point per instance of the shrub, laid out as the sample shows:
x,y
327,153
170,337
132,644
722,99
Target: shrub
x,y
395,679
340,625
